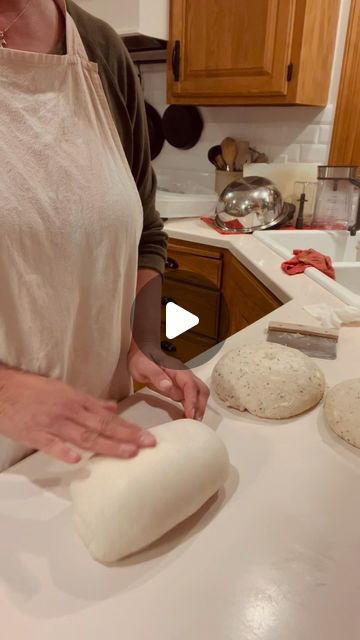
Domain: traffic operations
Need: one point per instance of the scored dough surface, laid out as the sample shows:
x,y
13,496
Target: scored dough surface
x,y
342,410
121,506
268,380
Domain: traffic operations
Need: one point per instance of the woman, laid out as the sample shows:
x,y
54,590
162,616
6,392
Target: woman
x,y
79,235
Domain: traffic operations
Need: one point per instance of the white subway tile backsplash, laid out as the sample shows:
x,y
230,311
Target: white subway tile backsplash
x,y
326,115
285,134
282,153
309,134
324,134
314,153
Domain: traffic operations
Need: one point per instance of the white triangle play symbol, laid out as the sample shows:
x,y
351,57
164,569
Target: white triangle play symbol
x,y
178,320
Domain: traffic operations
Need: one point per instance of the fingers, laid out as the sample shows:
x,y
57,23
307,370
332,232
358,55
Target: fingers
x,y
104,446
114,428
154,376
55,448
191,392
202,400
104,434
109,405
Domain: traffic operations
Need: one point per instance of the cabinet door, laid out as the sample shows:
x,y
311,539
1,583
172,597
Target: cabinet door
x,y
230,47
247,299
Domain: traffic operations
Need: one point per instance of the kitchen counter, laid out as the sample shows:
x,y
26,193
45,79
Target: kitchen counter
x,y
272,557
256,256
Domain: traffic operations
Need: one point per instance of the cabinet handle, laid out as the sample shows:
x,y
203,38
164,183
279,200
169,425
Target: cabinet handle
x,y
171,263
167,346
165,300
175,60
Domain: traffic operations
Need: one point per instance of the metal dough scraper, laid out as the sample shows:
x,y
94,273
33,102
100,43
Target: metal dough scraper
x,y
315,342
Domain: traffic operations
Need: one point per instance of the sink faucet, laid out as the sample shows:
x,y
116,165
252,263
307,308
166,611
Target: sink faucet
x,y
356,226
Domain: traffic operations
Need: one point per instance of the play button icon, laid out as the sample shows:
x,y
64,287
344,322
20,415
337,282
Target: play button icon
x,y
178,320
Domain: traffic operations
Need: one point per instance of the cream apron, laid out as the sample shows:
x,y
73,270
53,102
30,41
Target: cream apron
x,y
70,223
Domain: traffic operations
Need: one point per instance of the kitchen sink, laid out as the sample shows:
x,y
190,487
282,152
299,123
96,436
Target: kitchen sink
x,y
346,287
339,245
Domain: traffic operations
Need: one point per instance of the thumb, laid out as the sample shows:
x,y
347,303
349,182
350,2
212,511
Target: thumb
x,y
156,378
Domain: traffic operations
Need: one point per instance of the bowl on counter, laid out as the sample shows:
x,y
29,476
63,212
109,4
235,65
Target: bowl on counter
x,y
252,204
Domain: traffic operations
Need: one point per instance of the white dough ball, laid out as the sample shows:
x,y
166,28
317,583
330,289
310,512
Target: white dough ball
x,y
121,506
342,410
268,380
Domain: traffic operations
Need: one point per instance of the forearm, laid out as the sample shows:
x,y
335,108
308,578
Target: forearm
x,y
147,309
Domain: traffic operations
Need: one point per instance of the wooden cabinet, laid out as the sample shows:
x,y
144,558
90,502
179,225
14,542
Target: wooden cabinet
x,y
345,145
251,52
245,298
213,285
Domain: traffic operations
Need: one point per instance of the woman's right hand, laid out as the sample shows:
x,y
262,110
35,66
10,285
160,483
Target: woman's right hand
x,y
50,416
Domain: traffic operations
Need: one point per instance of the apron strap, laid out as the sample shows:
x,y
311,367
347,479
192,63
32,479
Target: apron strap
x,y
74,44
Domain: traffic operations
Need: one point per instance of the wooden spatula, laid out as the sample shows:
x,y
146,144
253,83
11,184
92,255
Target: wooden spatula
x,y
229,152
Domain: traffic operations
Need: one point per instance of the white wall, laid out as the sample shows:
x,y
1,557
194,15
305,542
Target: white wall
x,y
286,134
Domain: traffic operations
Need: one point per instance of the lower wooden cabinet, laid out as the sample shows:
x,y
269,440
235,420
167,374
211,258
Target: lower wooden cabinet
x,y
187,346
215,286
244,298
204,303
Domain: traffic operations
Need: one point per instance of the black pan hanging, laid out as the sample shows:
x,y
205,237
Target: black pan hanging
x,y
155,128
182,126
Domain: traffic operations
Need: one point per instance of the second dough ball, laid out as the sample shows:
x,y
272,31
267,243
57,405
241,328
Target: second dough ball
x,y
342,410
268,380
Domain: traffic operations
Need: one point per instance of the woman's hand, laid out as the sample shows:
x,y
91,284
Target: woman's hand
x,y
49,415
168,376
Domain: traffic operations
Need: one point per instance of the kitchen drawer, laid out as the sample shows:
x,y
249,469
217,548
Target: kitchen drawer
x,y
204,303
187,346
194,264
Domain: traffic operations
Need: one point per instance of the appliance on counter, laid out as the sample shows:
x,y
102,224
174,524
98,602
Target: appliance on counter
x,y
252,204
337,199
185,194
143,25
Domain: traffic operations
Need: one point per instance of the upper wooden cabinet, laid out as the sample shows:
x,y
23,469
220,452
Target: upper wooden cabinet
x,y
251,51
345,145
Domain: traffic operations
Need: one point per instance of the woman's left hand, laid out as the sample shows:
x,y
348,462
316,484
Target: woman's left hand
x,y
171,378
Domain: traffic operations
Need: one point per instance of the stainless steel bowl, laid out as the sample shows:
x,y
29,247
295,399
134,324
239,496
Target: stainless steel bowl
x,y
250,204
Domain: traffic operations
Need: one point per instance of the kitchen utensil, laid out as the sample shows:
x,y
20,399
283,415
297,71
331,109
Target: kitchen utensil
x,y
182,126
313,341
308,206
243,154
155,129
258,156
337,197
215,157
255,202
262,157
300,216
229,151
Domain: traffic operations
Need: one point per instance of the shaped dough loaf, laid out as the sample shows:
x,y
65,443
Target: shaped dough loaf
x,y
342,410
121,506
268,380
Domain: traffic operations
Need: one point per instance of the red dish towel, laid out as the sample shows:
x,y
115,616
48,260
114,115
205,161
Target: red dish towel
x,y
304,258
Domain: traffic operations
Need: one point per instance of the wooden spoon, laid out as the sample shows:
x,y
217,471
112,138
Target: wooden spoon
x,y
215,157
229,152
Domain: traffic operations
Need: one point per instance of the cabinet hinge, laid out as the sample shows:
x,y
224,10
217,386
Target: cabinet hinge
x,y
289,72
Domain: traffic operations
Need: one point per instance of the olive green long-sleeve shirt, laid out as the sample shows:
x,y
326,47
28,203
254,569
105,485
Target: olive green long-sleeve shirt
x,y
124,95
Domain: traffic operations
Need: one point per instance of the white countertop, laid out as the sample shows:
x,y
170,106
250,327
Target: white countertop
x,y
273,557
